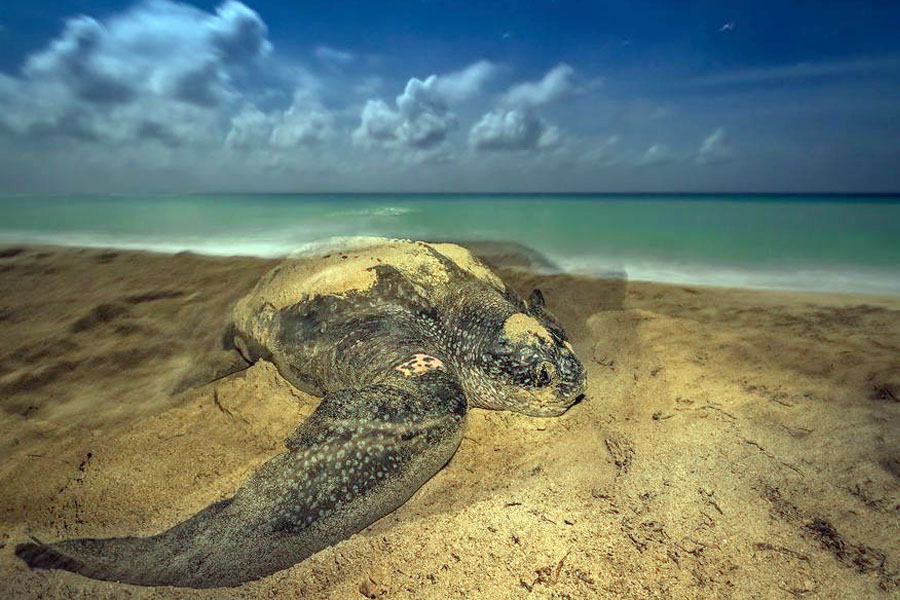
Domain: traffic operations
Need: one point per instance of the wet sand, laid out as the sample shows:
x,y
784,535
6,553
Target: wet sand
x,y
733,443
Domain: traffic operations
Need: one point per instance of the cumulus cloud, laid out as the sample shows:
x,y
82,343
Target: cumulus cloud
x,y
515,125
466,83
557,83
159,47
305,123
715,149
421,117
236,31
515,129
378,123
425,118
657,154
302,125
70,62
420,120
153,72
250,128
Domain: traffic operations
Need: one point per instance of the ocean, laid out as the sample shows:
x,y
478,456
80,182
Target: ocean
x,y
808,242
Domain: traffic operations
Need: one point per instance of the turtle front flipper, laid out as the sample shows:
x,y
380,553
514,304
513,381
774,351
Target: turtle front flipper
x,y
211,367
361,455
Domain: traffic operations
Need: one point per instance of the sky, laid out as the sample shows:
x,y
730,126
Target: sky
x,y
439,96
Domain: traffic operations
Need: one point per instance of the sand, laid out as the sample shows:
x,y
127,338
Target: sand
x,y
732,444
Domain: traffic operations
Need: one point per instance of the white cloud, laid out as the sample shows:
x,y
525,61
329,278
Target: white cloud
x,y
302,125
467,83
71,62
236,31
157,71
165,88
797,72
250,128
158,47
425,116
515,125
657,154
422,118
556,84
420,121
515,129
333,57
715,149
378,123
305,123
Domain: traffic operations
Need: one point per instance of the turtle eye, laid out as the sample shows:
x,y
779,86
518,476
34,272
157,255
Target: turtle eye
x,y
543,374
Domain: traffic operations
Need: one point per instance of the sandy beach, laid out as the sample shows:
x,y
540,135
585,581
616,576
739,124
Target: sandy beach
x,y
733,443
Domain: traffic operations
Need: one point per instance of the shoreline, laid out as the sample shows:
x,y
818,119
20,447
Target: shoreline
x,y
733,443
805,244
503,254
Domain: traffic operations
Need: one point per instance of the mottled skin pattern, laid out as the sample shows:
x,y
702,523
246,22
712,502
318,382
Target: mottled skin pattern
x,y
397,364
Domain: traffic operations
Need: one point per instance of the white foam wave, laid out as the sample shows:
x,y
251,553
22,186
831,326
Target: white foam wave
x,y
336,243
845,278
244,245
377,211
296,242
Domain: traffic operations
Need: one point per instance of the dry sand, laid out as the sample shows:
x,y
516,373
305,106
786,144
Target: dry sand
x,y
733,443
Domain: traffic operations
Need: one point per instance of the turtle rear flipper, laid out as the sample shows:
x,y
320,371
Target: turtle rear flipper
x,y
120,558
361,455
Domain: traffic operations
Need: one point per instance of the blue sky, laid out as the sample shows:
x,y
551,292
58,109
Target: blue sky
x,y
449,96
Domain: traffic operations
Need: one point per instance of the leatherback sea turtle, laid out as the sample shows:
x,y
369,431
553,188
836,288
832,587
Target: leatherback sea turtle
x,y
399,338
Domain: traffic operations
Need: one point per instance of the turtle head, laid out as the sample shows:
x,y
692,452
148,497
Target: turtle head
x,y
529,366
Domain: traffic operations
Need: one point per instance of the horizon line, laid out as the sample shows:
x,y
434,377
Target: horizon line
x,y
880,194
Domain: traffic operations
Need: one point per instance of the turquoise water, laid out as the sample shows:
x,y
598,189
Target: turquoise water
x,y
829,243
